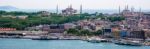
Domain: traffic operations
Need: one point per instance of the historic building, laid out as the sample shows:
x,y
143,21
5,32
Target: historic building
x,y
69,11
131,13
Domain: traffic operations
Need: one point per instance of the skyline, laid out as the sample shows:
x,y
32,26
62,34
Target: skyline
x,y
87,4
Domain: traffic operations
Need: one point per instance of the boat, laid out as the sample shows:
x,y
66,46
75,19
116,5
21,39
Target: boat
x,y
103,40
93,41
120,42
135,43
96,40
45,38
129,43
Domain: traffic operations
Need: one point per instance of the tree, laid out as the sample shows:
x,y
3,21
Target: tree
x,y
112,19
35,19
73,31
86,14
99,32
85,32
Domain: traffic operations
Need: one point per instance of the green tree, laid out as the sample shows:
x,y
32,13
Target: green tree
x,y
112,19
73,31
85,32
99,32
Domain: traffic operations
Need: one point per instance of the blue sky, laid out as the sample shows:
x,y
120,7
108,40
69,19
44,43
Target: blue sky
x,y
87,4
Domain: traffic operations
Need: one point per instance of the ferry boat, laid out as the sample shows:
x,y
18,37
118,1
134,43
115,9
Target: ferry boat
x,y
130,43
45,38
96,40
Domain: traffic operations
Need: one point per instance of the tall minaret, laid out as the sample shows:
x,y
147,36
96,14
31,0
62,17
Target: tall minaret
x,y
80,9
57,9
126,7
119,10
140,12
140,17
70,6
132,10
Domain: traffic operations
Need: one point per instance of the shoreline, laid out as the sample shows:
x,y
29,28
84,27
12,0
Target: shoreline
x,y
82,39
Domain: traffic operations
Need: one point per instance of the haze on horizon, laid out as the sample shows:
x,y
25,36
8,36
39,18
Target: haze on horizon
x,y
87,4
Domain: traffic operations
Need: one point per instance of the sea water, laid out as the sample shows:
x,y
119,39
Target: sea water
x,y
60,44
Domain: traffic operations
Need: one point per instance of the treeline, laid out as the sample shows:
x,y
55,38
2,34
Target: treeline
x,y
84,32
35,19
14,13
113,18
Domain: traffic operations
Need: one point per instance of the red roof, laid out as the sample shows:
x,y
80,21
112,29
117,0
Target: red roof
x,y
7,29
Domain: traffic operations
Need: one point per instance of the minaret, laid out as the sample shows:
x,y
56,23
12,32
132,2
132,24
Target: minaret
x,y
132,10
119,10
57,9
81,9
70,6
140,17
140,12
126,7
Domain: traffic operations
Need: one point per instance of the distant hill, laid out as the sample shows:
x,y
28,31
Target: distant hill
x,y
7,8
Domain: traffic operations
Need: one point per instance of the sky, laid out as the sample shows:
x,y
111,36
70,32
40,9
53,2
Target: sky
x,y
87,4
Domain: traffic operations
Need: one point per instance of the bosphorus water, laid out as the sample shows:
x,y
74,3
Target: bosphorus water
x,y
60,44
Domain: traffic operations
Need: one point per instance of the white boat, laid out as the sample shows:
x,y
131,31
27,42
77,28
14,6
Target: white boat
x,y
45,38
130,43
96,40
